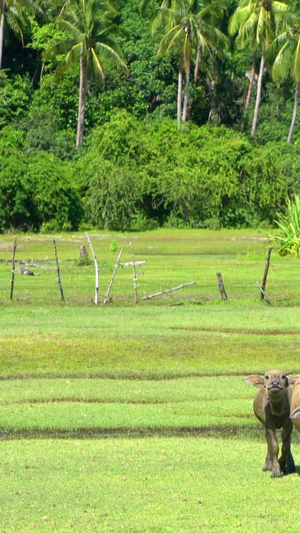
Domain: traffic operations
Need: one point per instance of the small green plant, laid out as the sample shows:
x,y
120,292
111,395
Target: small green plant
x,y
113,245
83,261
288,240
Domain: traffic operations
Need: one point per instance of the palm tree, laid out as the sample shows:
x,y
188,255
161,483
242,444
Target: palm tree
x,y
255,22
89,28
189,25
14,14
287,62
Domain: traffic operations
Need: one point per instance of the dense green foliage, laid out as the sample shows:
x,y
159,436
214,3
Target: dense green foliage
x,y
288,240
136,169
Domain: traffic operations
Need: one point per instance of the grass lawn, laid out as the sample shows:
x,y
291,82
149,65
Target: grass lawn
x,y
136,418
143,485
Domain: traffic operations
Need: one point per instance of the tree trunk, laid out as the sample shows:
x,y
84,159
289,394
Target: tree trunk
x,y
258,94
186,94
179,91
197,63
249,90
289,139
82,99
2,7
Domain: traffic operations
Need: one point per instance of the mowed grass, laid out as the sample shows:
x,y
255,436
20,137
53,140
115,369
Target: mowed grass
x,y
143,485
136,418
81,406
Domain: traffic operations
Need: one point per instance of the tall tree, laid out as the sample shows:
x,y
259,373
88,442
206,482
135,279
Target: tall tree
x,y
287,62
90,30
256,23
14,13
190,26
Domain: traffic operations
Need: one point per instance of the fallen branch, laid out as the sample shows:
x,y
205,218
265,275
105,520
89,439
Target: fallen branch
x,y
263,294
137,263
169,290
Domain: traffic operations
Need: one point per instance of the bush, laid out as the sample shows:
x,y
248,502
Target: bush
x,y
138,176
288,240
37,193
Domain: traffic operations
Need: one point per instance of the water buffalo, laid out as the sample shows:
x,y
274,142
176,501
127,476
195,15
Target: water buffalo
x,y
272,408
295,402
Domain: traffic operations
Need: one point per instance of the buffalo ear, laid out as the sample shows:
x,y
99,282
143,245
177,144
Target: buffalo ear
x,y
255,380
295,413
293,380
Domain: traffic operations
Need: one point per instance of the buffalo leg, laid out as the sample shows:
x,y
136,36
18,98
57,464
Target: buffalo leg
x,y
272,462
286,460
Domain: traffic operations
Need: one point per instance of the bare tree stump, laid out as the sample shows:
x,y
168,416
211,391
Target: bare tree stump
x,y
83,251
221,286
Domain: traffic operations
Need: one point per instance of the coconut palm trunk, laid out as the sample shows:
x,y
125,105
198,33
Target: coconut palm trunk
x,y
186,95
258,94
179,91
251,81
82,100
2,7
296,99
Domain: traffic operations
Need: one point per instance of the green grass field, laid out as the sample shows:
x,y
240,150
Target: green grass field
x,y
135,417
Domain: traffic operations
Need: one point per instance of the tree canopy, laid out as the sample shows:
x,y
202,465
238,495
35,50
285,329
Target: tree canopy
x,y
92,94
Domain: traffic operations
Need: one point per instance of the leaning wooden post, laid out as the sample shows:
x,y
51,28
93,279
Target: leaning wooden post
x,y
263,285
114,274
221,286
58,272
150,296
134,274
264,296
96,300
13,269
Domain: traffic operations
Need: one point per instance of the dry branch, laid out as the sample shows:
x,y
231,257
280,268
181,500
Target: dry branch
x,y
114,274
264,296
137,263
263,285
58,272
13,269
134,274
169,290
96,299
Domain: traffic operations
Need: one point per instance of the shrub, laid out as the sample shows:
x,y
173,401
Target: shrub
x,y
288,240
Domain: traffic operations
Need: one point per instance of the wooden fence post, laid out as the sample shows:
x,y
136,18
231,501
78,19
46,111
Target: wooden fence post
x,y
263,285
96,299
13,269
58,272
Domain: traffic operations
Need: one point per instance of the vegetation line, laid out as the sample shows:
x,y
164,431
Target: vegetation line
x,y
99,433
123,376
107,401
240,330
